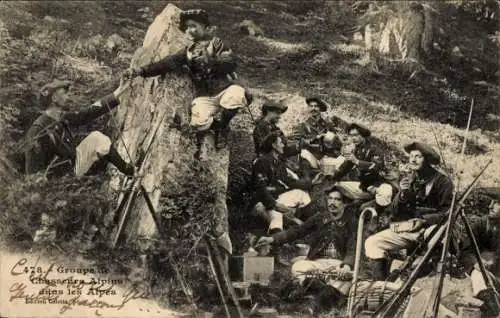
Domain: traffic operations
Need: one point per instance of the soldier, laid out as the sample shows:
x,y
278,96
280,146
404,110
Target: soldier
x,y
315,124
333,237
363,162
211,65
276,193
267,123
425,197
333,245
323,159
50,134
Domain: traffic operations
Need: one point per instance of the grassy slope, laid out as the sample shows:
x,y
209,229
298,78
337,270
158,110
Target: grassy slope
x,y
397,109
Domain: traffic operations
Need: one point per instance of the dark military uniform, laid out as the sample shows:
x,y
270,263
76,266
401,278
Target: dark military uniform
x,y
367,172
314,126
270,172
50,134
326,229
208,79
429,197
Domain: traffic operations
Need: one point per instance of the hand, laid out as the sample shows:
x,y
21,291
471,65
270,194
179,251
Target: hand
x,y
264,241
419,223
130,73
122,88
405,184
345,268
372,189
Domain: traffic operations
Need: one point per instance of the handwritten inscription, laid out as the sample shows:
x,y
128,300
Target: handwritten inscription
x,y
69,287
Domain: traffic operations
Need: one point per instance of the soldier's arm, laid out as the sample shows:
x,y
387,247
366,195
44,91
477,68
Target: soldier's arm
x,y
222,59
303,184
311,225
89,113
374,162
445,195
171,63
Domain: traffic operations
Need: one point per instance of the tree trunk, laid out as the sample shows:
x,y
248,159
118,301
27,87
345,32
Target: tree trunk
x,y
152,102
406,34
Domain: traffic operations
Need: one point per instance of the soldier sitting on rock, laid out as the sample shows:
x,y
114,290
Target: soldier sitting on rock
x,y
363,165
425,197
211,65
316,124
50,135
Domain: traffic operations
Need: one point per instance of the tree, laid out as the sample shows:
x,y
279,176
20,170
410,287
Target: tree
x,y
159,102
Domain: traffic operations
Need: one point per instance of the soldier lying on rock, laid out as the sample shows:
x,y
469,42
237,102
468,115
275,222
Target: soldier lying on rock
x,y
50,135
424,198
332,235
211,65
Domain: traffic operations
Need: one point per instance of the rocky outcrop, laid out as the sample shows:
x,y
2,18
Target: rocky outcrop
x,y
156,102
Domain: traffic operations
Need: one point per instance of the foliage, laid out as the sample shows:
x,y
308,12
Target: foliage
x,y
70,203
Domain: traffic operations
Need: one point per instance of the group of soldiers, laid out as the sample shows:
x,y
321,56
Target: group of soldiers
x,y
323,161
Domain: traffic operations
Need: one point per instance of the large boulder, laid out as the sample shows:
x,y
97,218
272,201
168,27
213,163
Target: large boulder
x,y
146,116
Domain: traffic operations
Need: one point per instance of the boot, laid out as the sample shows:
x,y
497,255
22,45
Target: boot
x,y
201,151
221,127
380,269
115,158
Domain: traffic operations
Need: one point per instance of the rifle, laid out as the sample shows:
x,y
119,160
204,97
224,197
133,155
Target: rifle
x,y
389,308
132,190
438,283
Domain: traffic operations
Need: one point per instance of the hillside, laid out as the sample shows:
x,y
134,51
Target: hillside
x,y
308,48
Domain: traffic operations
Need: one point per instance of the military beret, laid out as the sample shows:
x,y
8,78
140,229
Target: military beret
x,y
269,140
321,104
363,130
198,15
343,191
429,153
50,88
269,105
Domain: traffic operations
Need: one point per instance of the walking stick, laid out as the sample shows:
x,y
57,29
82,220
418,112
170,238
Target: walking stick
x,y
357,262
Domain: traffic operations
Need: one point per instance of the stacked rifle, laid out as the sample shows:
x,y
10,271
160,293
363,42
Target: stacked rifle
x,y
390,307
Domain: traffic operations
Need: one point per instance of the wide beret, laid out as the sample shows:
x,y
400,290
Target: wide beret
x,y
429,153
363,130
322,105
